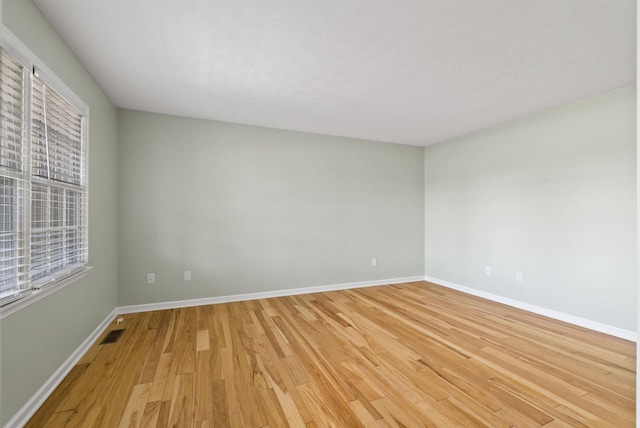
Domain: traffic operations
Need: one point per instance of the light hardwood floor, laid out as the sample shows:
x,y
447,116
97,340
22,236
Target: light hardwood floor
x,y
406,355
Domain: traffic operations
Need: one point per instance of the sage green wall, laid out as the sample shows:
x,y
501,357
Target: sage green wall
x,y
250,209
39,338
552,195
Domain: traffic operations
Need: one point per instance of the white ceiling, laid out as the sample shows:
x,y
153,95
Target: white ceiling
x,y
403,71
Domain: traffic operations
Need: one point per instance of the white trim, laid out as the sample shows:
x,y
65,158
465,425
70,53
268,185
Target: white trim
x,y
561,316
261,295
33,404
37,294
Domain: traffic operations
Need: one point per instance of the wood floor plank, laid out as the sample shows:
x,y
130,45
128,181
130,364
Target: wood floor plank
x,y
219,406
402,355
181,412
151,414
401,416
203,398
51,405
58,419
133,413
363,413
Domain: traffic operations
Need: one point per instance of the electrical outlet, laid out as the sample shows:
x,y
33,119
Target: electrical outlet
x,y
374,262
487,270
187,275
518,276
151,278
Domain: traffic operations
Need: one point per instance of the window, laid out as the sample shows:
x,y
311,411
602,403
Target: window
x,y
43,177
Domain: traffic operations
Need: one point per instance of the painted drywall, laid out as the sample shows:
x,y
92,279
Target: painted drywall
x,y
249,209
552,196
36,340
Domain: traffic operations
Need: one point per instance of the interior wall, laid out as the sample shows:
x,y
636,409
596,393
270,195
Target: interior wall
x,y
249,209
551,196
36,340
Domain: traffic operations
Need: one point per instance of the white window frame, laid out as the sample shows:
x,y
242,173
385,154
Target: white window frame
x,y
39,289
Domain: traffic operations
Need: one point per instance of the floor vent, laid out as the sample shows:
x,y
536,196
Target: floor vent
x,y
112,337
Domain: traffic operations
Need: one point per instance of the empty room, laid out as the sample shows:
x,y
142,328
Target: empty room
x,y
318,214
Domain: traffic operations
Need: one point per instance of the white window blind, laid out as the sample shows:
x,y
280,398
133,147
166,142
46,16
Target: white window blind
x,y
43,182
58,186
14,240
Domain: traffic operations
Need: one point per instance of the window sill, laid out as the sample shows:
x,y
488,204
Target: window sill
x,y
36,295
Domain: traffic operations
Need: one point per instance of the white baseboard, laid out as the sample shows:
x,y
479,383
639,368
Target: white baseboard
x,y
261,295
33,404
582,322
